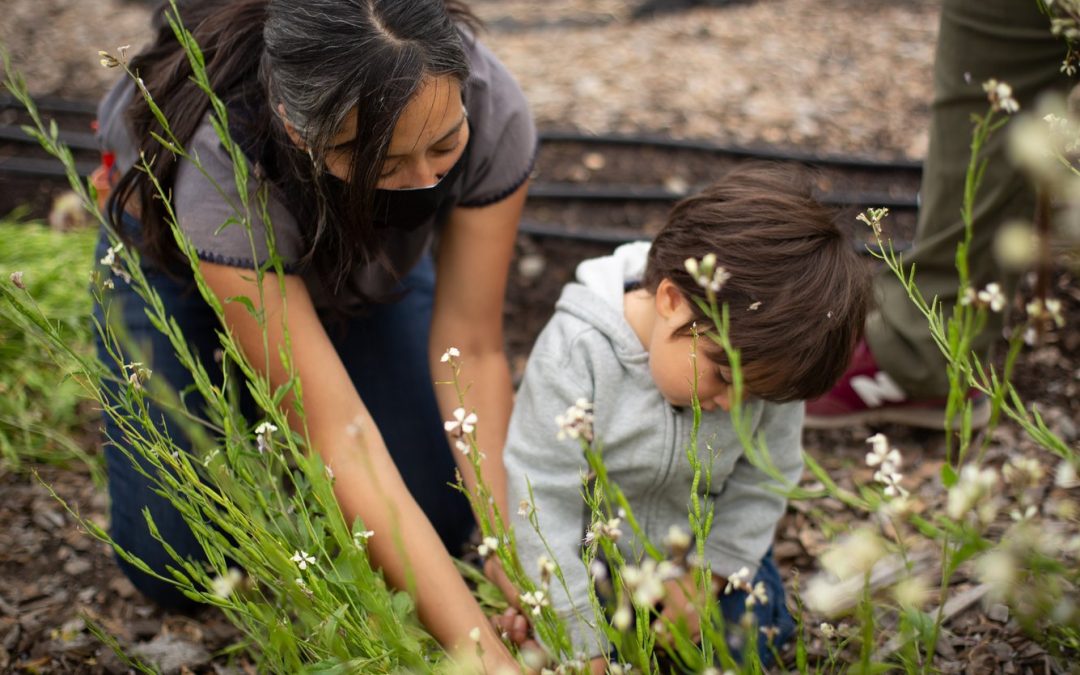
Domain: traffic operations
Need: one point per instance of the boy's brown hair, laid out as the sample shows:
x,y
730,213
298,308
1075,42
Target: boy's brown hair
x,y
798,292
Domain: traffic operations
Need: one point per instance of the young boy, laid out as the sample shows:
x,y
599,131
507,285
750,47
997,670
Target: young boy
x,y
621,339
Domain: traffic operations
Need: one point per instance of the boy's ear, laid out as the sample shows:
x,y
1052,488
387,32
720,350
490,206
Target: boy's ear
x,y
671,305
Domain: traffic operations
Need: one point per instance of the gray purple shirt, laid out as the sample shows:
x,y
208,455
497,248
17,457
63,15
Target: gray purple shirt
x,y
502,148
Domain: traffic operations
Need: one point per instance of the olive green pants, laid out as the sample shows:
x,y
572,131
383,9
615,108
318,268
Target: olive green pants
x,y
1010,41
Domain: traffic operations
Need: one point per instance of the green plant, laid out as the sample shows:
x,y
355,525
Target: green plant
x,y
39,416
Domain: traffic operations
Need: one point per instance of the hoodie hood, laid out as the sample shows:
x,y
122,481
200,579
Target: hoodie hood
x,y
596,296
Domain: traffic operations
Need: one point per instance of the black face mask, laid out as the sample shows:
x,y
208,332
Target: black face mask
x,y
410,208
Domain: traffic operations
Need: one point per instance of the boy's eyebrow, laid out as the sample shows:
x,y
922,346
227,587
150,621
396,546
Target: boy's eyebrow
x,y
446,136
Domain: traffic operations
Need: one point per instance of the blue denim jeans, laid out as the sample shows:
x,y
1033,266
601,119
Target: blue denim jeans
x,y
772,614
385,352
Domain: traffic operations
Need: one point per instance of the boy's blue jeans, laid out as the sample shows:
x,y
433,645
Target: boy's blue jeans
x,y
385,352
773,614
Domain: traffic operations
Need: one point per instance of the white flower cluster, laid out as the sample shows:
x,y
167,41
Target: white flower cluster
x,y
1001,96
973,490
847,564
991,297
888,461
873,217
1048,309
646,581
576,422
536,600
461,426
706,273
608,530
488,546
263,433
223,586
110,260
137,374
450,355
755,593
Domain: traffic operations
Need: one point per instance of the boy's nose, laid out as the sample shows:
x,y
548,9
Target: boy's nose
x,y
719,401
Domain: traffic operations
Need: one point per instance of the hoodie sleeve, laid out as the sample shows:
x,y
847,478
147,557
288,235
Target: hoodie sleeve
x,y
555,378
748,506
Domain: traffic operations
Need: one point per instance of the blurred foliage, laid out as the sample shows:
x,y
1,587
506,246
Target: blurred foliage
x,y
43,418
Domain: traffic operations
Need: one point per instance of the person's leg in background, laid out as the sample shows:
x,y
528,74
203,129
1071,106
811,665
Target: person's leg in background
x,y
901,376
129,490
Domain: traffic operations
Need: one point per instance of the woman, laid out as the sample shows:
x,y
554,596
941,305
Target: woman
x,y
376,124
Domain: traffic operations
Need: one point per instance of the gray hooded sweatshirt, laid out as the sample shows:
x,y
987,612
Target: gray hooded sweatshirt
x,y
588,350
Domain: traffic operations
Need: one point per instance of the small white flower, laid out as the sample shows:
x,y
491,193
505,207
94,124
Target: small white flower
x,y
547,569
107,60
462,423
1065,476
873,218
451,353
360,537
462,445
881,453
262,436
827,630
739,581
223,586
302,559
992,297
474,634
1001,96
598,570
537,600
854,555
576,422
646,583
677,540
329,473
1039,310
524,508
621,619
757,595
487,547
973,485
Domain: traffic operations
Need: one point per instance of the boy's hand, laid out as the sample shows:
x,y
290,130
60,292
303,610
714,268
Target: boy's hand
x,y
513,625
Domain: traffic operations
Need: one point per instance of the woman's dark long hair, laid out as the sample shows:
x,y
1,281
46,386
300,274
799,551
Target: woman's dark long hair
x,y
318,60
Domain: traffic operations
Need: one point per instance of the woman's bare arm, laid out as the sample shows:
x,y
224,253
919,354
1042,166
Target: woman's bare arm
x,y
368,485
471,271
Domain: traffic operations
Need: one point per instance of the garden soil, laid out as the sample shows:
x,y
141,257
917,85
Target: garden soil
x,y
798,74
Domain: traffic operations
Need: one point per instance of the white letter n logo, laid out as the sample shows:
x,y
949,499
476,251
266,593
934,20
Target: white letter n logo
x,y
878,389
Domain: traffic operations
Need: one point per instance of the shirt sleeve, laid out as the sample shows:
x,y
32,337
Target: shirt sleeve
x,y
553,469
750,503
208,208
504,142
